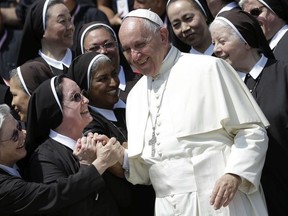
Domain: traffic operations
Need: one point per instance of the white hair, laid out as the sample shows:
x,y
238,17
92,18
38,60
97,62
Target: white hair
x,y
4,113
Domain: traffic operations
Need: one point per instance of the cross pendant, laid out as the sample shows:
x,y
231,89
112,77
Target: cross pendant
x,y
152,142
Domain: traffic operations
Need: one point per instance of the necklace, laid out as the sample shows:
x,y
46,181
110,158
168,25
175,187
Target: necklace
x,y
152,142
256,83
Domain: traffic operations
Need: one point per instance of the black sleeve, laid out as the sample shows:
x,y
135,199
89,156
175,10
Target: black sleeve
x,y
18,196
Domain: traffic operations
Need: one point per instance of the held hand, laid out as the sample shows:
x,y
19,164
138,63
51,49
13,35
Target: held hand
x,y
100,138
224,190
85,149
107,155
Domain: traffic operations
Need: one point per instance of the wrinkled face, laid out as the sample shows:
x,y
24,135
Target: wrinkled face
x,y
20,98
100,40
75,106
59,27
144,49
103,91
12,139
265,17
188,23
228,46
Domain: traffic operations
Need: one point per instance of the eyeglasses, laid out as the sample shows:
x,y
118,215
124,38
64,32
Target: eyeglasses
x,y
107,46
78,96
15,134
256,11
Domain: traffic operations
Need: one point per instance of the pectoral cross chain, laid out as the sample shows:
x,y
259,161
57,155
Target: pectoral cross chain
x,y
152,142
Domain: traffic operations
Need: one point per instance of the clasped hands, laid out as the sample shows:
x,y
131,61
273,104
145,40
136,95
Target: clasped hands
x,y
99,147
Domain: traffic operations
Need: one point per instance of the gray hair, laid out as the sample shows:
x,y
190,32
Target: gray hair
x,y
220,23
4,113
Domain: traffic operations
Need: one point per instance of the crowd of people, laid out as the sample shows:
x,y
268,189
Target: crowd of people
x,y
156,107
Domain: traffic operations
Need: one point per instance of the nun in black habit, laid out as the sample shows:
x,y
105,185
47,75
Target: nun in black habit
x,y
97,76
267,80
57,115
128,78
23,82
48,35
274,23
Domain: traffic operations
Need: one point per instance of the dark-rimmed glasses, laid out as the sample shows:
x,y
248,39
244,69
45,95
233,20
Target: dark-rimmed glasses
x,y
256,11
15,134
106,46
78,96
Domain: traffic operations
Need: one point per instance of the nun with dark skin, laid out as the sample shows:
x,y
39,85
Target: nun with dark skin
x,y
97,75
239,40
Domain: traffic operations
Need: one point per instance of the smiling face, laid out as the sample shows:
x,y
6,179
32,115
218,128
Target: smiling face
x,y
20,98
59,27
228,46
75,108
189,24
103,91
269,21
11,142
100,37
143,48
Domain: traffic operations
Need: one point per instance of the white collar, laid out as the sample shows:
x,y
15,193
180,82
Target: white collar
x,y
228,7
3,38
11,170
64,140
109,114
67,59
122,79
277,37
208,51
256,70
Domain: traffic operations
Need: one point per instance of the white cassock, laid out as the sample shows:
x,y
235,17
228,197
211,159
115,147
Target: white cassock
x,y
208,124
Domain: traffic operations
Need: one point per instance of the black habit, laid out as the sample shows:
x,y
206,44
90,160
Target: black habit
x,y
271,94
19,197
129,198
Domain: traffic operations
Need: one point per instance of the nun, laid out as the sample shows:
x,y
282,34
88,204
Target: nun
x,y
273,18
100,37
97,75
47,35
239,40
189,21
23,82
57,115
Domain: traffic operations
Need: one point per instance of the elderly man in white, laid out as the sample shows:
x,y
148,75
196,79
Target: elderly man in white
x,y
194,130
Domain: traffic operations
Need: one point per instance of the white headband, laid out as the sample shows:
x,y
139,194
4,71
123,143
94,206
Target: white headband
x,y
266,5
232,26
22,80
197,2
90,65
44,14
92,26
52,84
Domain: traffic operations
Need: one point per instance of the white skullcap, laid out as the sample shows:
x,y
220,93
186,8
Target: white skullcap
x,y
146,14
